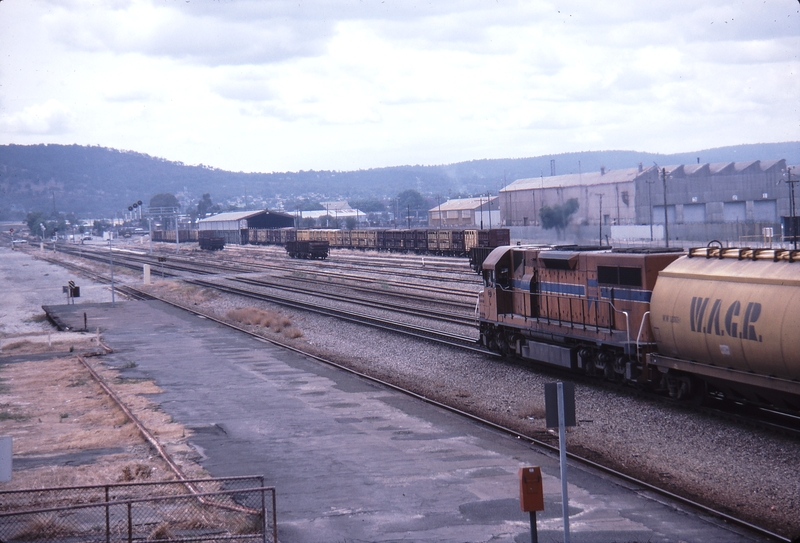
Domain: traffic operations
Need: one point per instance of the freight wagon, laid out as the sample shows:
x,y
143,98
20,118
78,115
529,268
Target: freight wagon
x,y
307,249
433,241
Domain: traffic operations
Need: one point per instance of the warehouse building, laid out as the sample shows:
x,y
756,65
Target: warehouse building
x,y
734,201
481,212
233,226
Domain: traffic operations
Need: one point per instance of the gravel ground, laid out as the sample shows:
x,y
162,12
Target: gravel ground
x,y
747,472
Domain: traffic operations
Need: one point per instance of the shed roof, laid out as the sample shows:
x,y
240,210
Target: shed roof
x,y
576,179
630,174
232,216
464,203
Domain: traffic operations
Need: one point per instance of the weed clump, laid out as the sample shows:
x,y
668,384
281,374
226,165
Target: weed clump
x,y
252,316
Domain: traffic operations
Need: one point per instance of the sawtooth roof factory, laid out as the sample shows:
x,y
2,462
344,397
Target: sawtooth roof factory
x,y
735,201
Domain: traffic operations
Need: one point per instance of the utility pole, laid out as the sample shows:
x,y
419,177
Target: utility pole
x,y
650,182
666,221
600,235
111,265
792,208
489,201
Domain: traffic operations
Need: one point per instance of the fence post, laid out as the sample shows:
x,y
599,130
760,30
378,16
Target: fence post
x,y
274,516
264,514
108,518
130,523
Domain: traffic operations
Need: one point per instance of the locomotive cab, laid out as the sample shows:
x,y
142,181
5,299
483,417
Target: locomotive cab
x,y
496,297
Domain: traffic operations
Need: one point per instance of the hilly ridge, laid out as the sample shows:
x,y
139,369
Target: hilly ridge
x,y
98,181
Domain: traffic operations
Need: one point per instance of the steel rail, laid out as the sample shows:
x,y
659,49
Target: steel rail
x,y
188,265
454,318
455,340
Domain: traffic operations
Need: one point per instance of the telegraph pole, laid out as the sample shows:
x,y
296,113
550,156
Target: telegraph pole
x,y
666,223
792,208
600,236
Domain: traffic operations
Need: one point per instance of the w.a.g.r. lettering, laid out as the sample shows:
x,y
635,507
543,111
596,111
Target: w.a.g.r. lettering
x,y
735,322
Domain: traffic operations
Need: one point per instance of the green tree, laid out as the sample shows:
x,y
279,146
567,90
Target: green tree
x,y
99,227
350,223
205,206
304,204
368,206
34,220
411,199
164,200
558,216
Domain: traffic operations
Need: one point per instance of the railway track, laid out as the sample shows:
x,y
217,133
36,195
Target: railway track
x,y
544,440
349,315
259,287
460,313
206,282
170,264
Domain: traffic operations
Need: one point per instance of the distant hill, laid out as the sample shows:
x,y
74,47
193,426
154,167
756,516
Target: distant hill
x,y
99,182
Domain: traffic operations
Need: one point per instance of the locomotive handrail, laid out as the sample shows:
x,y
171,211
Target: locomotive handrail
x,y
639,336
627,348
745,253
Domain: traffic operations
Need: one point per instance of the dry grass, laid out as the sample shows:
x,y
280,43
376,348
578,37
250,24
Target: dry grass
x,y
54,407
37,344
252,316
183,293
44,526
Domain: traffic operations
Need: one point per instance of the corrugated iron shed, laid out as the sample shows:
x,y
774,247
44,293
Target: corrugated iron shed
x,y
471,204
240,220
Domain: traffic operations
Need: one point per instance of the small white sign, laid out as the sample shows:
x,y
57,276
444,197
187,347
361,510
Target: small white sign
x,y
5,459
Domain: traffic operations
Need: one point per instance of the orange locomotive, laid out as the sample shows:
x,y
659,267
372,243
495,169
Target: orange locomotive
x,y
581,308
723,320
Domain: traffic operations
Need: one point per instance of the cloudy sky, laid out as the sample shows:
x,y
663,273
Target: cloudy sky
x,y
268,85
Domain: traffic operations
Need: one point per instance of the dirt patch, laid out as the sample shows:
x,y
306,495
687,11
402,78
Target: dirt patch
x,y
70,432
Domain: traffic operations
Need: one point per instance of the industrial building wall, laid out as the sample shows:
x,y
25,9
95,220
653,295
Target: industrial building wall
x,y
611,203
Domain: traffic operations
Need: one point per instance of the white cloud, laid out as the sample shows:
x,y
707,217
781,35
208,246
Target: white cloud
x,y
50,118
272,85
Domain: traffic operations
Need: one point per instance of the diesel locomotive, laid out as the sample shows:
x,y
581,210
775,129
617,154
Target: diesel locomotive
x,y
714,319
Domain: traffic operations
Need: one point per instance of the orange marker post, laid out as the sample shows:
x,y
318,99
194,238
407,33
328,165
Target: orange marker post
x,y
531,495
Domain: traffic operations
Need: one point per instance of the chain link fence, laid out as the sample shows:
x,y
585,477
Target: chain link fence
x,y
237,509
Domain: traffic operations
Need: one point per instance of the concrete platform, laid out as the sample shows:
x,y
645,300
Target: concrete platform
x,y
353,461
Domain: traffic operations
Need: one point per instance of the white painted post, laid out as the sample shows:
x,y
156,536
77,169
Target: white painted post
x,y
562,448
5,458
